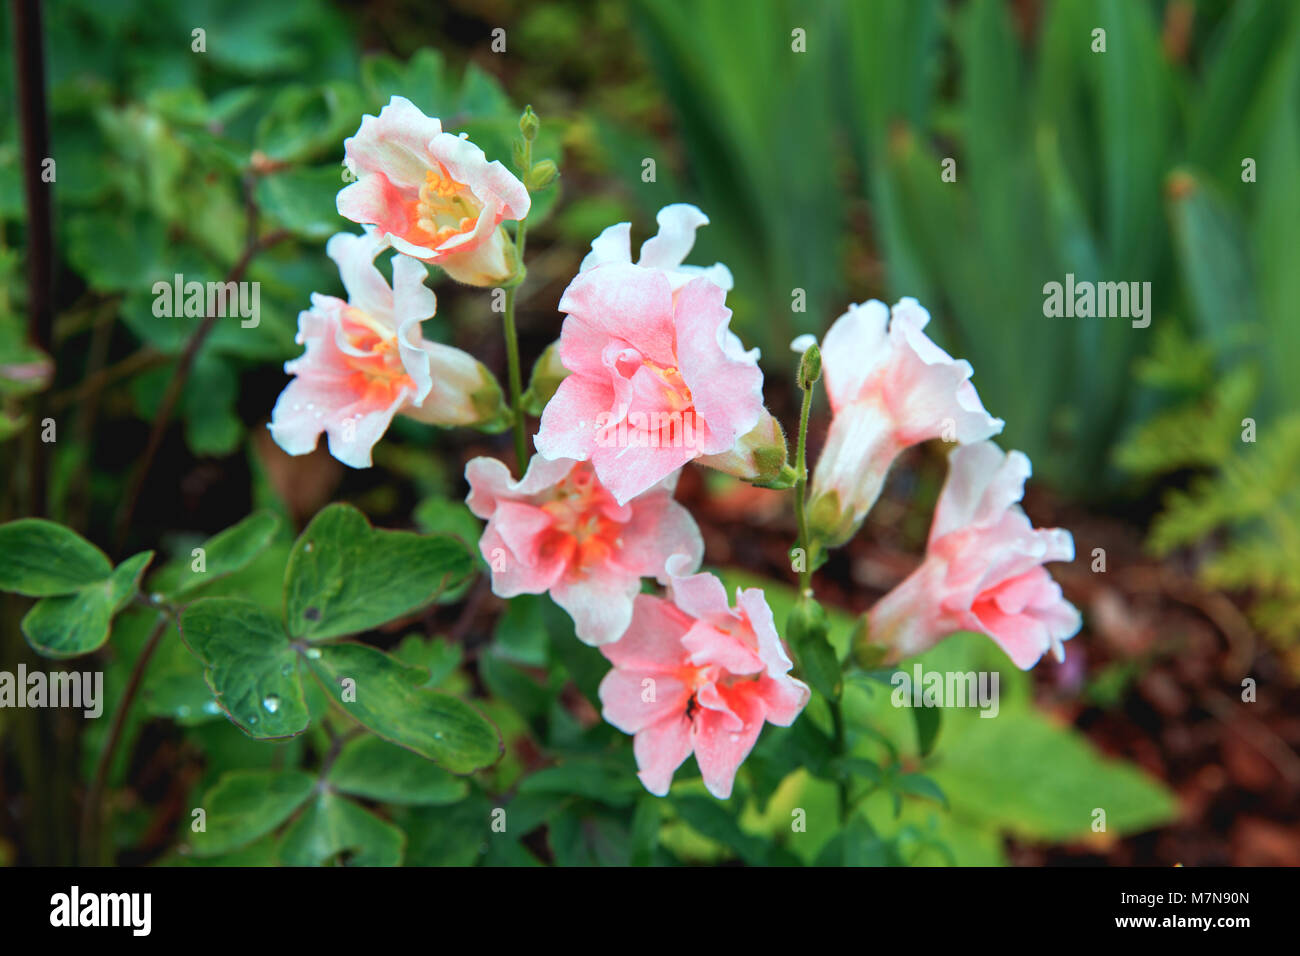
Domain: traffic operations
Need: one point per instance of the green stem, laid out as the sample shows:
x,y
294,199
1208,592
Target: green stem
x,y
91,816
512,336
800,494
512,359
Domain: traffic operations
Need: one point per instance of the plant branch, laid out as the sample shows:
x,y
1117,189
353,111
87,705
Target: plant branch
x,y
801,491
29,55
177,383
91,814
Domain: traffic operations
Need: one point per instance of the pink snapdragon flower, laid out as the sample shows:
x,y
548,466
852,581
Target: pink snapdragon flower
x,y
434,195
656,379
666,251
365,361
694,675
890,387
559,530
983,569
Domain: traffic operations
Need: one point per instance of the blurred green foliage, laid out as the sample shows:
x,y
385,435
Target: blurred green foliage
x,y
821,171
1063,164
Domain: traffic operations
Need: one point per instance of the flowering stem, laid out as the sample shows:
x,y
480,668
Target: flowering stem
x,y
512,336
801,490
516,378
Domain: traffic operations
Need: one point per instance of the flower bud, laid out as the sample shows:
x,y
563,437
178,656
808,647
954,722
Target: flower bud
x,y
810,367
529,124
548,373
541,175
759,455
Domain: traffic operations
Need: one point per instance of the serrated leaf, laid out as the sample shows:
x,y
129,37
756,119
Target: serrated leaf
x,y
333,826
246,805
252,668
40,558
345,576
391,701
377,770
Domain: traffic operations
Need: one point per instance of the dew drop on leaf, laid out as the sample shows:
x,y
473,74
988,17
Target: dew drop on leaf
x,y
271,702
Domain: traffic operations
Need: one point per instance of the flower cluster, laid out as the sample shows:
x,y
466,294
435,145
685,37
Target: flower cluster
x,y
646,378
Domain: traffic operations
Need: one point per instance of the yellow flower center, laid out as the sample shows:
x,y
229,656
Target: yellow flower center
x,y
445,208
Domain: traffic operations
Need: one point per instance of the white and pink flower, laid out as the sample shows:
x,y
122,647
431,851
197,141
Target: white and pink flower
x,y
656,379
666,251
983,569
694,675
434,195
365,361
890,387
559,530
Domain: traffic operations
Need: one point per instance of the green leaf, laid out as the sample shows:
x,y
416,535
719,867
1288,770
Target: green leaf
x,y
448,836
928,721
392,702
223,554
332,826
345,577
252,668
305,121
807,631
601,781
39,558
248,804
919,785
708,818
377,770
582,838
69,625
302,200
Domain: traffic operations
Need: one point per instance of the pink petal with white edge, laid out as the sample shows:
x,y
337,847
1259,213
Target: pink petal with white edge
x,y
983,482
653,641
396,143
658,529
852,350
600,603
720,749
569,420
700,595
627,303
726,383
708,645
659,750
633,701
629,470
